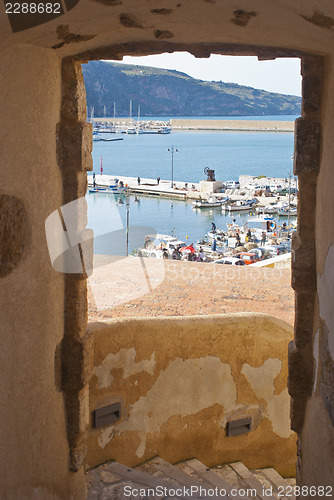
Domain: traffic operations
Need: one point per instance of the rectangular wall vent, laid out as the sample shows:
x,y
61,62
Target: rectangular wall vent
x,y
106,415
238,427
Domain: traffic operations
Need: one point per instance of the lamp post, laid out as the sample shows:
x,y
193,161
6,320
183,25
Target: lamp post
x,y
127,201
172,150
289,203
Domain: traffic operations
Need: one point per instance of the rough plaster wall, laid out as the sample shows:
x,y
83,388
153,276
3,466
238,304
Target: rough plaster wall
x,y
181,380
93,24
317,450
34,449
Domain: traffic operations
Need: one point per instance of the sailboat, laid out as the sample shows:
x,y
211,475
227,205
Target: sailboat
x,y
139,130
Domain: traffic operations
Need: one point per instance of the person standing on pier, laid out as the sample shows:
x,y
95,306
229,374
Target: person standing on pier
x,y
94,183
263,240
138,180
158,180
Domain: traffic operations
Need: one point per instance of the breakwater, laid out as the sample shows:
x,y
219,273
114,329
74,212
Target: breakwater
x,y
232,125
206,124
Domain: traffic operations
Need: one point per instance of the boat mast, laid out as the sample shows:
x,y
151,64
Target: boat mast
x,y
130,109
114,110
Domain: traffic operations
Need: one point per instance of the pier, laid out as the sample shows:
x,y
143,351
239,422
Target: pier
x,y
150,187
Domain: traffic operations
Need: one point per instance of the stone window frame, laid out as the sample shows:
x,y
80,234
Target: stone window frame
x,y
74,139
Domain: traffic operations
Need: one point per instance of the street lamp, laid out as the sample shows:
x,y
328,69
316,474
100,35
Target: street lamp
x,y
172,150
127,222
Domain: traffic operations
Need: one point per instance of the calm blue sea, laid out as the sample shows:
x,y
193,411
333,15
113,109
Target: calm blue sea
x,y
230,154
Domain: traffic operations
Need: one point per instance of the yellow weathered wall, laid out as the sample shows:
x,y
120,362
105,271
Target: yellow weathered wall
x,y
34,450
181,380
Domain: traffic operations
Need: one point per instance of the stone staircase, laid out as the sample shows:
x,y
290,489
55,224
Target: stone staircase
x,y
158,479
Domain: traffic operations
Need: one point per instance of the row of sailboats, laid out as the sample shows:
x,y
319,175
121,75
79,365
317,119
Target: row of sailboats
x,y
127,126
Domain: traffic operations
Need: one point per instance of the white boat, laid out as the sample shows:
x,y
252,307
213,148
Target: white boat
x,y
96,137
240,206
131,130
210,203
218,235
108,190
164,130
285,210
97,189
270,209
113,187
161,246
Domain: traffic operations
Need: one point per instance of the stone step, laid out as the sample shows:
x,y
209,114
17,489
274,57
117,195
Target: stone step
x,y
108,482
268,483
277,482
250,480
197,470
224,482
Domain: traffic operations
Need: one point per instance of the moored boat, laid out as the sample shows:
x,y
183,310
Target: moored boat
x,y
212,202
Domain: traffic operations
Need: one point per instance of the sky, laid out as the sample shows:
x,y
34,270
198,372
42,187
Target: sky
x,y
280,75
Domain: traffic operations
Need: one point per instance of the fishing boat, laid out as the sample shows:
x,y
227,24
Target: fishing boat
x,y
210,203
97,137
97,189
108,190
162,246
240,206
286,210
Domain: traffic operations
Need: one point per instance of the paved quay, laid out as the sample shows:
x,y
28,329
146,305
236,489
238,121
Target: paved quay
x,y
186,288
182,189
150,187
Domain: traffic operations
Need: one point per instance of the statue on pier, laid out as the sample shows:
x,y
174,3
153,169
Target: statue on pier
x,y
210,174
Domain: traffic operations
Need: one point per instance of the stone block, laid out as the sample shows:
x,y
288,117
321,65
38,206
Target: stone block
x,y
307,146
210,187
76,305
297,413
303,264
74,105
304,310
74,143
77,363
300,380
312,94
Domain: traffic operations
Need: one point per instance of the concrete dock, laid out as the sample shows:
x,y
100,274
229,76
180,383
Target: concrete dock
x,y
150,187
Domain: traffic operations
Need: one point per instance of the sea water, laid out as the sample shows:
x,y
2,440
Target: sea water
x,y
230,154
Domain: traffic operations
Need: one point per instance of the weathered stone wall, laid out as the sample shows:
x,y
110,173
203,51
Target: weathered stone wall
x,y
181,380
34,449
317,439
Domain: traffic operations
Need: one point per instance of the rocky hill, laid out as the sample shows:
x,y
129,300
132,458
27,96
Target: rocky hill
x,y
161,92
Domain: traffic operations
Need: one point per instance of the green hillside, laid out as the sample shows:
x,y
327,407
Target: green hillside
x,y
161,92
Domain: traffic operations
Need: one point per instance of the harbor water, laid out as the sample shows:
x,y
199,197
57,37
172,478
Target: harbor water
x,y
230,154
